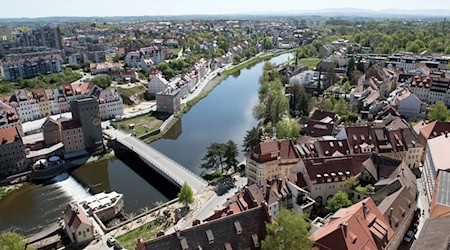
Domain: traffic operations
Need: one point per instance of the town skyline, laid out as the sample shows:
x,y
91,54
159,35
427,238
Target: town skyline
x,y
48,8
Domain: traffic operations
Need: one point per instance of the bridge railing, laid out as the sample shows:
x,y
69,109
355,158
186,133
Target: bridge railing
x,y
201,181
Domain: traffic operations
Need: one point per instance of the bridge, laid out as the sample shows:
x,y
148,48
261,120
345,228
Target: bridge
x,y
159,162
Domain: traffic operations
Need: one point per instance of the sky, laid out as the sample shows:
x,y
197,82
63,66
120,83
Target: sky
x,y
44,8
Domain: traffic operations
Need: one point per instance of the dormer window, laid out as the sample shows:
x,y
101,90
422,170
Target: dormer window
x,y
210,236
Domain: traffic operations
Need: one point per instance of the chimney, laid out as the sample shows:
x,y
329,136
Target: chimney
x,y
178,232
390,216
344,228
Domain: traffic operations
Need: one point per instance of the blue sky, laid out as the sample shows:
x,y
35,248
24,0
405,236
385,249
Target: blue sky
x,y
40,8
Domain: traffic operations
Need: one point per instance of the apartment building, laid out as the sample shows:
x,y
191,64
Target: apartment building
x,y
270,160
72,136
31,67
12,152
110,104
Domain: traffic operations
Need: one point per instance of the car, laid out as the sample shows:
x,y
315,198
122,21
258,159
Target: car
x,y
409,236
111,241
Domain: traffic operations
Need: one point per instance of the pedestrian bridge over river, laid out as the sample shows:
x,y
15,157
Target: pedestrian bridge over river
x,y
165,166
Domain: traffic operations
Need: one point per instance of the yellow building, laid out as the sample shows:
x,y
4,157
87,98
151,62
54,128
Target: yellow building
x,y
270,160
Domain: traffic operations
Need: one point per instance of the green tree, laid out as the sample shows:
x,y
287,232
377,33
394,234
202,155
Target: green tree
x,y
214,156
186,195
231,153
299,101
341,107
251,139
339,200
288,129
236,59
11,241
346,87
351,66
351,183
102,81
288,231
438,112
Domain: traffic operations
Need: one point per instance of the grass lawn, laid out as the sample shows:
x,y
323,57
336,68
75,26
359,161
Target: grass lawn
x,y
311,62
131,91
147,232
175,51
142,124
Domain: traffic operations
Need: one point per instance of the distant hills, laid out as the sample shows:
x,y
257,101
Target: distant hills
x,y
355,12
332,12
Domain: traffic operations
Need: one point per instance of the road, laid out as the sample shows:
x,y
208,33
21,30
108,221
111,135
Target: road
x,y
206,203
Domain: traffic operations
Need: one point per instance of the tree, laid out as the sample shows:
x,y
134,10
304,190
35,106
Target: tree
x,y
438,112
356,74
214,157
288,231
351,66
288,129
102,81
339,200
236,59
346,87
351,183
341,107
231,154
186,196
251,139
11,241
299,101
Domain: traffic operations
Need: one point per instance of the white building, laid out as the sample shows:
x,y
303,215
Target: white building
x,y
110,104
77,225
157,83
407,103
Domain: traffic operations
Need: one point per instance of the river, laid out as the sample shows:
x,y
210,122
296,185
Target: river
x,y
226,113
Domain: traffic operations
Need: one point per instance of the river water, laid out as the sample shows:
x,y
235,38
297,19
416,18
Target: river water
x,y
226,113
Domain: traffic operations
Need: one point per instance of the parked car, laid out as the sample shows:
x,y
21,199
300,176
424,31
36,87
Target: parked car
x,y
409,236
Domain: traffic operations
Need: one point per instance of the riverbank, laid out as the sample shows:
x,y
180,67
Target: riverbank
x,y
7,190
211,85
224,74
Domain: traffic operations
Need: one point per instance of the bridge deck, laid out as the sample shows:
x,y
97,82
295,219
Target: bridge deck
x,y
169,167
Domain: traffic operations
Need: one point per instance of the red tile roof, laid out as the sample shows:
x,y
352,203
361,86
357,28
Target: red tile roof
x,y
360,226
9,135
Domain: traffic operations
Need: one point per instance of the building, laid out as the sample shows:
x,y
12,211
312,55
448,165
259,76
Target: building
x,y
431,88
321,123
276,194
157,83
9,118
105,206
110,104
395,192
392,137
324,176
407,104
168,101
77,225
51,131
361,226
437,157
72,136
434,234
87,112
47,36
270,160
104,68
244,230
31,67
440,202
431,130
12,152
